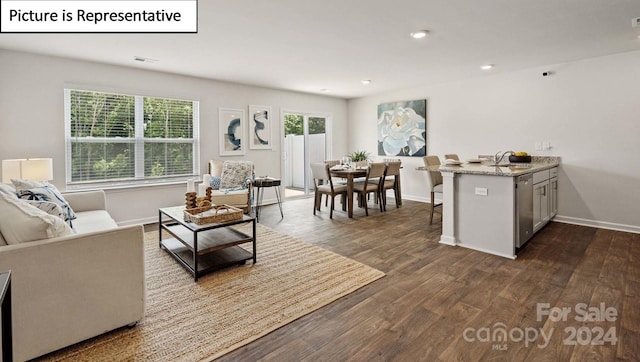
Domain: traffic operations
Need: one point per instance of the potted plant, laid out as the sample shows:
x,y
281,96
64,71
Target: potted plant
x,y
359,156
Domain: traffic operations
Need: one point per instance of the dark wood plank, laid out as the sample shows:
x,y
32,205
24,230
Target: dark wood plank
x,y
630,314
432,292
628,345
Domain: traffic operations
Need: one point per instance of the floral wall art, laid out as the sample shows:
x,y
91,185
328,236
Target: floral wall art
x,y
402,128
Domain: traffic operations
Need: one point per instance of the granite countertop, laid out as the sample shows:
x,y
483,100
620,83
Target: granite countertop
x,y
538,163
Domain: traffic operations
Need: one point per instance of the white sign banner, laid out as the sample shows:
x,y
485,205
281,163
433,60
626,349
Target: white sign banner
x,y
97,16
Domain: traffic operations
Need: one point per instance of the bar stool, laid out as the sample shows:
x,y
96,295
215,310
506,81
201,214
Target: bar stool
x,y
434,181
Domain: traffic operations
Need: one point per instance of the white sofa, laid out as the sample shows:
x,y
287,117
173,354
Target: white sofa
x,y
70,288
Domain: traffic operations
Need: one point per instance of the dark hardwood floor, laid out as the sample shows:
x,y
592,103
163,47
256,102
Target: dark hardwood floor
x,y
439,302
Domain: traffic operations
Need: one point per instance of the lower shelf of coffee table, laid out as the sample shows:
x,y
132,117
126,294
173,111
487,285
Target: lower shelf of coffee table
x,y
214,260
209,240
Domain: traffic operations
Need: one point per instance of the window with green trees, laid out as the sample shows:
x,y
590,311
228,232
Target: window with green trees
x,y
294,123
118,138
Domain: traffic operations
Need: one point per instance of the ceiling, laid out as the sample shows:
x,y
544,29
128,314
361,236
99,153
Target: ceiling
x,y
307,46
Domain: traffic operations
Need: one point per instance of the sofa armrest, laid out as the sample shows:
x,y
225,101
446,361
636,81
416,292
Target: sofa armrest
x,y
71,288
86,200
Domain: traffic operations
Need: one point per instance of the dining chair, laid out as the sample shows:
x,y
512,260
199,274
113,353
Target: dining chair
x,y
332,163
375,172
451,156
434,182
324,186
360,164
336,180
391,181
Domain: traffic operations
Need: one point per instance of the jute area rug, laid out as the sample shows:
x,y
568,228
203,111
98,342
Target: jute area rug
x,y
192,321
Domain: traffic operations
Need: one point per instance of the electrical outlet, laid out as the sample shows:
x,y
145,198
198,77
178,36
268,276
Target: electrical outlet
x,y
538,146
546,145
482,191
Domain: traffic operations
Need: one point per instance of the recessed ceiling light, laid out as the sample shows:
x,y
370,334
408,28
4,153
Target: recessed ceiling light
x,y
486,66
366,81
419,34
325,90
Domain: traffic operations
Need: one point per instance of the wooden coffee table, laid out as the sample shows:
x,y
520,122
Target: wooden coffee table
x,y
204,248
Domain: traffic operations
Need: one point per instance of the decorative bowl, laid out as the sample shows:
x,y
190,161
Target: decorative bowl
x,y
518,159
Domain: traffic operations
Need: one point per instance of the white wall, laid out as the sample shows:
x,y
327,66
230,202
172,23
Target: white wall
x,y
32,117
589,110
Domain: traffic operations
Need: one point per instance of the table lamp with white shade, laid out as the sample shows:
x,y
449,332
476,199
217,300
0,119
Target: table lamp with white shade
x,y
34,169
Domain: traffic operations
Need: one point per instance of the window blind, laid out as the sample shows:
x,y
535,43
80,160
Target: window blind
x,y
118,139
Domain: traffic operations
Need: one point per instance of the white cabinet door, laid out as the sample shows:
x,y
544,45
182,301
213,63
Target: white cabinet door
x,y
553,197
540,205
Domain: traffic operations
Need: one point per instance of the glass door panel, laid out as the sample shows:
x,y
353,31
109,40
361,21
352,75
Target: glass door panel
x,y
304,143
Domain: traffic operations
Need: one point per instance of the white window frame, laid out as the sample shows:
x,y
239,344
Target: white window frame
x,y
139,141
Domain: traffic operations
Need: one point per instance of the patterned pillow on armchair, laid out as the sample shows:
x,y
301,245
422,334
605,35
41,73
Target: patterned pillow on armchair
x,y
235,174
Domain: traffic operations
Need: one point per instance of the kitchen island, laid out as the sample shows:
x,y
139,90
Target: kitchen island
x,y
483,209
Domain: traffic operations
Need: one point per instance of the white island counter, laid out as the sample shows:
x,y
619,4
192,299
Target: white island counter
x,y
483,210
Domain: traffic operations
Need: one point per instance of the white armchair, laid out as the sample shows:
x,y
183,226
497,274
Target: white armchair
x,y
235,183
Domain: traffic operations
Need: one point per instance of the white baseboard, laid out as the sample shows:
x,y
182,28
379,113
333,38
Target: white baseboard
x,y
147,220
421,198
486,251
447,240
559,218
564,219
597,224
154,219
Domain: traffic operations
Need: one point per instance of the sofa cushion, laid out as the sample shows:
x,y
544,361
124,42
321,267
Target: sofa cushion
x,y
215,168
2,241
48,193
235,174
235,197
20,222
90,221
50,208
8,190
27,184
215,182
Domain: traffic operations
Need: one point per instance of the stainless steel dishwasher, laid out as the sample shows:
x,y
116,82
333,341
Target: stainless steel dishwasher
x,y
524,209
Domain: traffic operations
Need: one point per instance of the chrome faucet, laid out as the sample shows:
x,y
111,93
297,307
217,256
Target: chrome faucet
x,y
498,159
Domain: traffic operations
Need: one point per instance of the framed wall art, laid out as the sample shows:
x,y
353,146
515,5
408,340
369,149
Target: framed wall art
x,y
232,134
402,128
260,128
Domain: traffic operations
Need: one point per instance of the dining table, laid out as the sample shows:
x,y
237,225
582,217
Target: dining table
x,y
350,174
